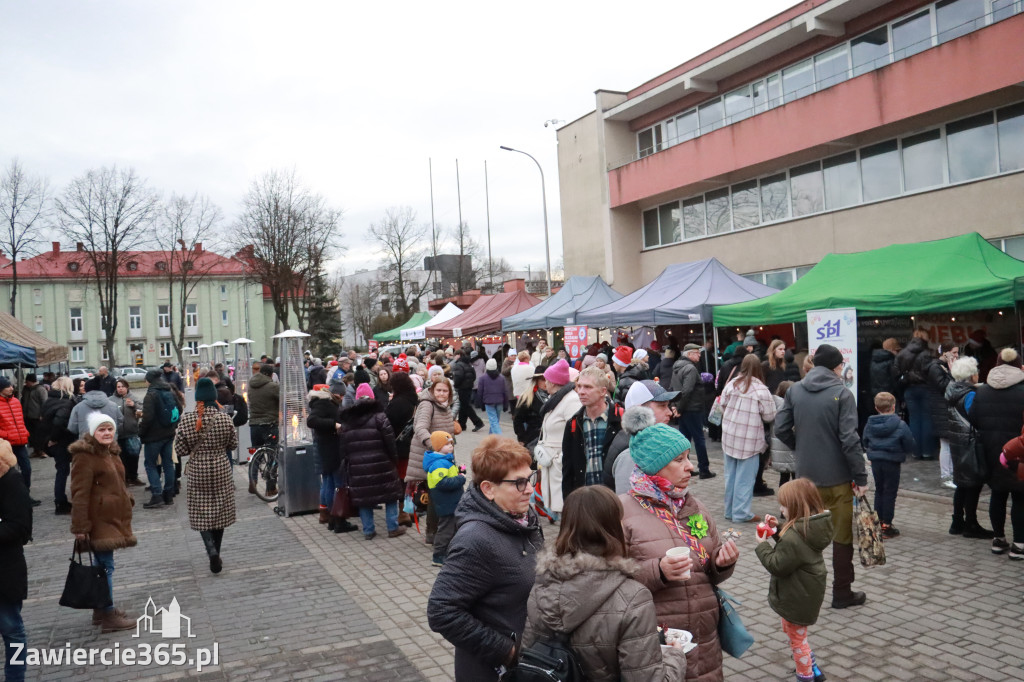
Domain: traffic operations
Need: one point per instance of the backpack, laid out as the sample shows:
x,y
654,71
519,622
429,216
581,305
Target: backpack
x,y
549,659
168,414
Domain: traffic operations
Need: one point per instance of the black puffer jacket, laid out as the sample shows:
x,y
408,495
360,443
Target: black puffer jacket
x,y
463,374
368,443
881,372
16,530
686,380
937,378
912,364
56,414
322,419
630,376
998,414
960,430
150,428
479,597
527,421
400,412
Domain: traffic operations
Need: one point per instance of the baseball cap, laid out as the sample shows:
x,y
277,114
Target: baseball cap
x,y
645,391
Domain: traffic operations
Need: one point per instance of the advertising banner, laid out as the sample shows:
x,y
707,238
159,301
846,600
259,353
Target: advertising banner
x,y
575,341
836,327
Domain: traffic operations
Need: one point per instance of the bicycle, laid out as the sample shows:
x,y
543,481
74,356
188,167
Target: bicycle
x,y
263,471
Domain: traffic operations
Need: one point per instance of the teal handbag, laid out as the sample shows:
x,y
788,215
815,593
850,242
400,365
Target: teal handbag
x,y
732,635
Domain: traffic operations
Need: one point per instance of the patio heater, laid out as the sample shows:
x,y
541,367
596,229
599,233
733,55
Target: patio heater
x,y
217,350
204,356
243,366
299,475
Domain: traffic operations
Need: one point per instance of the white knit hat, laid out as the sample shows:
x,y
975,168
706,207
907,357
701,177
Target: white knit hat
x,y
96,418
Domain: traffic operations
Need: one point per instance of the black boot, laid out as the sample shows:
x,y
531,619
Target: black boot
x,y
218,537
155,502
973,529
843,595
342,525
211,550
168,497
957,527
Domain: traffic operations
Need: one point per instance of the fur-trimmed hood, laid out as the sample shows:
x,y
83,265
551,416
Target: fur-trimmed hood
x,y
322,394
637,418
571,588
7,459
90,446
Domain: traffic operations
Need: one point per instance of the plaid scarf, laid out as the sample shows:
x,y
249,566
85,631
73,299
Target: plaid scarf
x,y
593,446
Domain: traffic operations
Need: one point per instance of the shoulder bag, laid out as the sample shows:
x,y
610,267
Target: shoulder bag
x,y
86,586
732,635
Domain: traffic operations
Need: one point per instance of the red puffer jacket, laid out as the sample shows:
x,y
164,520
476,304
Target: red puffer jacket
x,y
12,422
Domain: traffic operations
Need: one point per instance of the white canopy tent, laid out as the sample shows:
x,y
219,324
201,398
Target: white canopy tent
x,y
446,313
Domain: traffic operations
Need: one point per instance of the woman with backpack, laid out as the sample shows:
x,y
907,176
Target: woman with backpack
x,y
56,416
585,589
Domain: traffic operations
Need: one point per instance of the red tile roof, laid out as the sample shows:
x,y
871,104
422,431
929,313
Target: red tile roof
x,y
59,264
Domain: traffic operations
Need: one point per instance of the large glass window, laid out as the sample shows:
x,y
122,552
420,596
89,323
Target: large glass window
x,y
911,35
650,140
971,146
1001,9
922,160
870,51
77,353
779,280
880,170
774,198
1011,137
651,227
832,67
739,104
134,318
687,126
842,181
745,210
191,315
806,189
711,115
75,319
693,218
798,80
774,91
718,211
670,223
954,18
163,316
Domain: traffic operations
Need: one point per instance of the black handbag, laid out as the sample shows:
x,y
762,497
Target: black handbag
x,y
86,585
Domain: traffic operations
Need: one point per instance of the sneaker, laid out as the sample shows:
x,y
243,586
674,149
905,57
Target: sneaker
x,y
370,536
706,474
437,561
155,502
1017,552
477,427
889,531
948,483
1000,545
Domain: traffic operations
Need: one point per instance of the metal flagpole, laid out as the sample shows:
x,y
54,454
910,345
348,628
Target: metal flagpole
x,y
487,203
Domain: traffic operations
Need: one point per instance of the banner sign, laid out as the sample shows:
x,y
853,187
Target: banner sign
x,y
836,327
372,345
575,341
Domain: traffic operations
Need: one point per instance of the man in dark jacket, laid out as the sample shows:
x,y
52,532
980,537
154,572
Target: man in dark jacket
x,y
317,374
648,394
172,377
157,436
264,402
15,531
882,360
102,382
464,378
686,380
911,373
33,395
819,421
589,433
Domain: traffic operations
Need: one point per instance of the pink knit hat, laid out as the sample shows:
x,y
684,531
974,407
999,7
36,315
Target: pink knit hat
x,y
558,373
364,391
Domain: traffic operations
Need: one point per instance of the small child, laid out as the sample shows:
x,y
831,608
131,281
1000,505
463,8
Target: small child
x,y
887,440
797,587
446,482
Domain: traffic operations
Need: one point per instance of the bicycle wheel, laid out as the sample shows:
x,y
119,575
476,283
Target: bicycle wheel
x,y
263,474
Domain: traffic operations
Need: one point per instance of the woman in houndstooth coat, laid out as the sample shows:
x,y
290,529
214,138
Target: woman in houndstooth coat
x,y
204,435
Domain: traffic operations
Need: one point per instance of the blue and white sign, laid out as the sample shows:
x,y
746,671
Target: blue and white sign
x,y
836,327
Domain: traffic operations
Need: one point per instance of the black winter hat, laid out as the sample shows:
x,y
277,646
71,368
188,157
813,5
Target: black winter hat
x,y
827,356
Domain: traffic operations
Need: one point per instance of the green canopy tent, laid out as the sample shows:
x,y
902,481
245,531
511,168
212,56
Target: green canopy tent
x,y
946,275
396,334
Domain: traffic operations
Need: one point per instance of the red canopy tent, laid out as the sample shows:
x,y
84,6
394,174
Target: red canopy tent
x,y
484,315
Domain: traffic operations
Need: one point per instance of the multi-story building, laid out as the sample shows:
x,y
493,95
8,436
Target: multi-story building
x,y
835,126
57,298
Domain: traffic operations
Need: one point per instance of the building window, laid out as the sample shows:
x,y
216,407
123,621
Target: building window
x,y
1011,137
135,318
132,266
774,197
191,316
163,318
711,115
778,279
954,18
1003,9
385,306
911,35
922,160
192,347
971,147
437,288
832,67
223,292
39,323
806,189
165,349
870,51
798,80
880,170
649,141
76,320
384,288
104,354
37,296
161,266
651,228
717,203
224,317
738,105
77,353
842,181
745,209
693,218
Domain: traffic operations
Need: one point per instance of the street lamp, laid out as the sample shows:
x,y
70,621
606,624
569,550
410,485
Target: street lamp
x,y
544,200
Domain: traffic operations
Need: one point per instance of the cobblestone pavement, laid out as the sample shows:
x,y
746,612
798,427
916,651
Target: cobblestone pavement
x,y
297,602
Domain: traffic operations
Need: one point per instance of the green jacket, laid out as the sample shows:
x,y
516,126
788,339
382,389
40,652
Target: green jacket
x,y
798,570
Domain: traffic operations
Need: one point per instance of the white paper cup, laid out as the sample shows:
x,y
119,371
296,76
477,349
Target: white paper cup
x,y
677,552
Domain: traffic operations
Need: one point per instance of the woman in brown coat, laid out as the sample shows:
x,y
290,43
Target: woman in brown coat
x,y
204,435
101,507
660,514
433,413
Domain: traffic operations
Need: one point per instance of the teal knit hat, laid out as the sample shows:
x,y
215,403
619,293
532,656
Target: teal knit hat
x,y
656,446
205,391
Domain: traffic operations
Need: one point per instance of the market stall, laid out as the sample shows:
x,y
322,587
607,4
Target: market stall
x,y
418,331
417,320
577,295
485,315
47,352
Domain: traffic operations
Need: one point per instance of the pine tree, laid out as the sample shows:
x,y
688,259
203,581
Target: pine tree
x,y
324,317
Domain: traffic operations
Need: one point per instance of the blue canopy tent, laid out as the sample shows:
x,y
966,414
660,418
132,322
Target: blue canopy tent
x,y
577,295
12,355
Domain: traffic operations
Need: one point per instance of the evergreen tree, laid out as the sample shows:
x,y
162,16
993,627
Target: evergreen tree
x,y
324,317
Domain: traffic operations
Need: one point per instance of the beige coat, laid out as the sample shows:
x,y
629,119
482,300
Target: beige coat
x,y
611,617
687,605
429,417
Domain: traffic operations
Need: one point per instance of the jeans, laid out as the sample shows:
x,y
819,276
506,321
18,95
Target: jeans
x,y
24,463
260,434
997,514
390,517
916,397
160,449
739,487
691,425
494,417
106,560
62,461
887,484
12,627
466,411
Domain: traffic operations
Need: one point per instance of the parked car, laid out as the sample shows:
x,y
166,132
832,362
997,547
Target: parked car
x,y
80,373
134,375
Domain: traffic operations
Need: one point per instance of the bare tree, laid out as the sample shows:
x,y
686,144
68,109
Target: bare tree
x,y
23,206
469,251
360,302
403,244
186,223
284,233
109,212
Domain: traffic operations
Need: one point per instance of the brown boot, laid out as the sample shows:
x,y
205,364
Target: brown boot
x,y
252,487
404,519
843,595
113,622
397,533
325,515
97,615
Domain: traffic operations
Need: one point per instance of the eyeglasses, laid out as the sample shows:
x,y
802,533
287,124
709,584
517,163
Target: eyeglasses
x,y
522,483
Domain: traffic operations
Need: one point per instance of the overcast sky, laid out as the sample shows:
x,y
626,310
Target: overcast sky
x,y
205,95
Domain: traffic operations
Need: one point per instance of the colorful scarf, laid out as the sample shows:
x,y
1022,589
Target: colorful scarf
x,y
661,498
